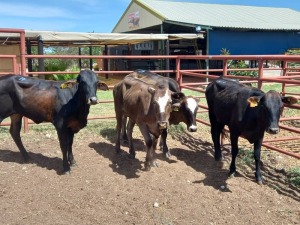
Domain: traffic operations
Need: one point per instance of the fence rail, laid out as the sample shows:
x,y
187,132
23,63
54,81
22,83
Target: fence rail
x,y
290,76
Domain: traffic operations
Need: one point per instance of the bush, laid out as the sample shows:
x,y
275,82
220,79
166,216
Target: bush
x,y
238,64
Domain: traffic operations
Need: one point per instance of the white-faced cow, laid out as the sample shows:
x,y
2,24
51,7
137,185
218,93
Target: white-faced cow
x,y
48,101
247,112
148,106
184,108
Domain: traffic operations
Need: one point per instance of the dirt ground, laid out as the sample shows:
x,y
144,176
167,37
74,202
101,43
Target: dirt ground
x,y
106,188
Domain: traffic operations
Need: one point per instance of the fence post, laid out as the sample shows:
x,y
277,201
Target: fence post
x,y
178,75
260,72
225,65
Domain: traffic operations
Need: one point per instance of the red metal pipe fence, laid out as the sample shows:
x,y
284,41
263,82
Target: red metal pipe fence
x,y
290,76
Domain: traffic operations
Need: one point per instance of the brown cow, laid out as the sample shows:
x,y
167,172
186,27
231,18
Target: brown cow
x,y
148,106
184,108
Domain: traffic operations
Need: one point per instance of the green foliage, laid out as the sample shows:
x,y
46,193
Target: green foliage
x,y
294,176
293,52
54,64
238,64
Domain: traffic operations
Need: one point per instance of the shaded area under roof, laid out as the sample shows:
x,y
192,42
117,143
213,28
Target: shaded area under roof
x,y
53,38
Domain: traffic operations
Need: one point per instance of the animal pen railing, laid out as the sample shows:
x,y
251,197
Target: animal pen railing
x,y
289,76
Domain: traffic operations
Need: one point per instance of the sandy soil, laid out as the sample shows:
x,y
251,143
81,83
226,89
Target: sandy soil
x,y
105,188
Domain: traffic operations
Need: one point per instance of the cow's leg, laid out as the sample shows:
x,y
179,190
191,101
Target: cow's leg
x,y
234,153
150,161
71,159
15,129
257,148
163,143
119,127
64,140
130,126
216,130
123,132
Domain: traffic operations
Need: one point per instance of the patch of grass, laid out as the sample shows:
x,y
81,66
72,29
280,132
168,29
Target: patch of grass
x,y
293,175
175,129
246,156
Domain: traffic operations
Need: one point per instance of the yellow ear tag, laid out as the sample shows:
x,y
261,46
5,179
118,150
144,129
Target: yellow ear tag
x,y
175,109
63,85
252,102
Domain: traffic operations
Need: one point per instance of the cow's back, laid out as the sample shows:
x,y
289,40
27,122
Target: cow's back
x,y
39,100
228,105
151,78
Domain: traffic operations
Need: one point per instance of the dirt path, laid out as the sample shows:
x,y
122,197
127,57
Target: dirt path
x,y
106,188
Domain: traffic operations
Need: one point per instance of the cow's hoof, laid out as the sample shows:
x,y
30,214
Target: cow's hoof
x,y
231,175
132,156
118,151
125,142
168,155
147,167
68,172
26,158
260,182
154,164
218,158
72,162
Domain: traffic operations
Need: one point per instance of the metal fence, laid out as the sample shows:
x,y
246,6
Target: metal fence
x,y
289,76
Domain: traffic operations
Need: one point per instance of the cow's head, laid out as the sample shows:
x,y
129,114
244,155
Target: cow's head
x,y
187,107
88,84
162,102
272,105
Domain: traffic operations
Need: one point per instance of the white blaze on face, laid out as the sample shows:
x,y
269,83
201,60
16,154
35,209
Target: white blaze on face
x,y
162,102
192,104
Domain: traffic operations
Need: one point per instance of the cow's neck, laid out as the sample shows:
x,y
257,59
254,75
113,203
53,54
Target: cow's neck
x,y
82,108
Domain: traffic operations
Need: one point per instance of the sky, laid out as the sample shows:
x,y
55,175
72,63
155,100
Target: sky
x,y
99,16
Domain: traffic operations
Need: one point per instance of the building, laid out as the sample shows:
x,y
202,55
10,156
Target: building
x,y
241,30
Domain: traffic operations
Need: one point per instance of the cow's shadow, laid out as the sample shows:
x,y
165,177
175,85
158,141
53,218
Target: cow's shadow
x,y
120,163
123,163
199,156
38,159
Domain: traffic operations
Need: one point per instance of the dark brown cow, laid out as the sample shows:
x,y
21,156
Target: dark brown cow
x,y
148,106
48,101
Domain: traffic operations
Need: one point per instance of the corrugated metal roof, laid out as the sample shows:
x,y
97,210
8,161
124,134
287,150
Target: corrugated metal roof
x,y
225,16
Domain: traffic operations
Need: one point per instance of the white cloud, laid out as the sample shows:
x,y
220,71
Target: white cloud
x,y
32,11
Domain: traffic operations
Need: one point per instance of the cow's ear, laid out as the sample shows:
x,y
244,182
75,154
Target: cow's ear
x,y
176,107
102,86
151,90
253,101
68,84
289,100
177,95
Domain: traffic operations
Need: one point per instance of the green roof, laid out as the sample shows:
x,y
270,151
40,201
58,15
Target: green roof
x,y
224,16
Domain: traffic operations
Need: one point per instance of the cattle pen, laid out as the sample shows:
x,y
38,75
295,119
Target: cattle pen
x,y
287,75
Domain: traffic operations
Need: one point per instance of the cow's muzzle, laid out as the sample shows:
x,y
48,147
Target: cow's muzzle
x,y
93,101
162,125
273,130
192,128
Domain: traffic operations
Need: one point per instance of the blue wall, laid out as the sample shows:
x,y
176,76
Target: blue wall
x,y
252,43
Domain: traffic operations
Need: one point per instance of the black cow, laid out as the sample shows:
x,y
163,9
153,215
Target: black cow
x,y
184,108
247,112
49,101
